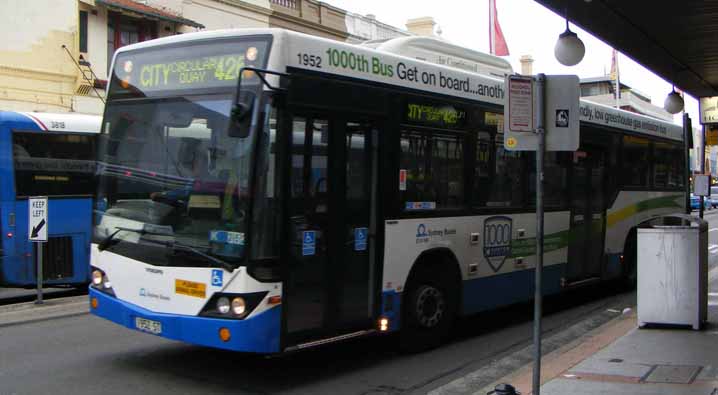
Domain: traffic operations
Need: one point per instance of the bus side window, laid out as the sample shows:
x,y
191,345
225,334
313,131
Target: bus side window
x,y
482,169
635,159
506,188
555,179
667,165
434,163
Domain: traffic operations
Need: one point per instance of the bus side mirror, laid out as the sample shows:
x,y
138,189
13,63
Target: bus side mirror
x,y
240,120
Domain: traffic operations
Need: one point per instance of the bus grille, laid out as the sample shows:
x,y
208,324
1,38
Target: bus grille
x,y
57,258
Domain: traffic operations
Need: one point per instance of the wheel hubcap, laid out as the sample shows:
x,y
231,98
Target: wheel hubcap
x,y
430,306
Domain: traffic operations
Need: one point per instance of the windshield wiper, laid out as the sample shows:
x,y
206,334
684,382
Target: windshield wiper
x,y
187,248
109,240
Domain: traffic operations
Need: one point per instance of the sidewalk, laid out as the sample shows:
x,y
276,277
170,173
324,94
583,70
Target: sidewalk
x,y
618,358
18,293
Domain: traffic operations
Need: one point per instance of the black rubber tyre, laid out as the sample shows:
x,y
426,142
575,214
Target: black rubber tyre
x,y
629,277
429,308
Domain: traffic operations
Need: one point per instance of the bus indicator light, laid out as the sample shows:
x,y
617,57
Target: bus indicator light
x,y
224,334
9,235
251,54
384,324
276,299
94,303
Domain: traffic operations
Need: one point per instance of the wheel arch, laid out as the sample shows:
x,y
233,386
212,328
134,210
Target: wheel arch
x,y
433,257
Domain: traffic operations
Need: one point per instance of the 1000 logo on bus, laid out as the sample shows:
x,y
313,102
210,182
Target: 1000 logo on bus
x,y
497,240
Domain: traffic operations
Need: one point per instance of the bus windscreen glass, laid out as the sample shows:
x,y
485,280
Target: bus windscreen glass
x,y
201,66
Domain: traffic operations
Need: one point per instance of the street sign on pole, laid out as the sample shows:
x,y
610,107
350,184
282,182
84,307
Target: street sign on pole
x,y
708,109
561,115
37,219
37,233
552,103
520,108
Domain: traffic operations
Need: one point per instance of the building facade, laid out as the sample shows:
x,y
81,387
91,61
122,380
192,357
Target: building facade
x,y
57,53
601,90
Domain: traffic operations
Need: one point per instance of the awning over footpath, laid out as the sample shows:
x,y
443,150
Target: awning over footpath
x,y
147,11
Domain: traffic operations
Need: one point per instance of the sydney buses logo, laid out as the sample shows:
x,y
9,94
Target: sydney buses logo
x,y
497,241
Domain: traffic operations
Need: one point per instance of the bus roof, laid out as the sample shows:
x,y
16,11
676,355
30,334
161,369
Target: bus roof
x,y
366,63
54,122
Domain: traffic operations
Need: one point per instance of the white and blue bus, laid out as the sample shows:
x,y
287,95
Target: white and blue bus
x,y
52,155
268,191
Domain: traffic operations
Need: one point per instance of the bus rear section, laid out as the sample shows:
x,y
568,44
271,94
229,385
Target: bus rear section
x,y
49,155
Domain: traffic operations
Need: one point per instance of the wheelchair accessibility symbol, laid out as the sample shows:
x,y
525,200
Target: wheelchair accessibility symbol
x,y
217,278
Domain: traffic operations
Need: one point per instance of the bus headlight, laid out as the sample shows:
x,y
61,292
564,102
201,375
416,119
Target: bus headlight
x,y
232,306
238,306
101,282
223,305
96,277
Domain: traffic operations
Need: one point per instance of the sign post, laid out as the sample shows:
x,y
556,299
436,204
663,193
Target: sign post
x,y
37,233
543,114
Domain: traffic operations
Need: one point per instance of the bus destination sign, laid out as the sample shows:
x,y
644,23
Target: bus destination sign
x,y
208,70
435,115
214,65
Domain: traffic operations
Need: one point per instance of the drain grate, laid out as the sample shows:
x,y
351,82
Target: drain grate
x,y
673,374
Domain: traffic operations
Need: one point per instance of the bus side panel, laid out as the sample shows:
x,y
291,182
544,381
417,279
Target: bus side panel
x,y
67,218
7,204
630,209
497,269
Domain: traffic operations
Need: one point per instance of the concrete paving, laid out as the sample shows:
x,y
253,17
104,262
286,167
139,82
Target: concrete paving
x,y
14,293
619,358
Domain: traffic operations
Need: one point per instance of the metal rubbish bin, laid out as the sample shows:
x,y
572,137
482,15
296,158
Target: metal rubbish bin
x,y
673,272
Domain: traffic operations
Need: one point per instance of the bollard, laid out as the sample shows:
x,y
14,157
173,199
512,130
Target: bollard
x,y
504,389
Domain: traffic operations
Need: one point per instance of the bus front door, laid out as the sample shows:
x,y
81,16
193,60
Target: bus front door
x,y
585,255
329,289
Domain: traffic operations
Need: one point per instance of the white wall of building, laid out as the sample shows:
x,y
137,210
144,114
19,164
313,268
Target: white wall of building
x,y
218,14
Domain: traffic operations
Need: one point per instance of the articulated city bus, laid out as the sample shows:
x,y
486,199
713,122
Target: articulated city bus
x,y
268,191
50,155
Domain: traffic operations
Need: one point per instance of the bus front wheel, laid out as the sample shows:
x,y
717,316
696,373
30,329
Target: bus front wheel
x,y
429,310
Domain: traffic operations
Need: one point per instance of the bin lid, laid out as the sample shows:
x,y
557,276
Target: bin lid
x,y
687,222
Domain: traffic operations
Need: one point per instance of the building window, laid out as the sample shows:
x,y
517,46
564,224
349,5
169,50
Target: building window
x,y
124,30
83,31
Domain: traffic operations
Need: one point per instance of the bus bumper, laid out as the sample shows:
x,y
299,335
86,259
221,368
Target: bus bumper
x,y
259,334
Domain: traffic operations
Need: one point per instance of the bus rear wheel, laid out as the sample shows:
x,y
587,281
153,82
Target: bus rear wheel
x,y
429,311
629,275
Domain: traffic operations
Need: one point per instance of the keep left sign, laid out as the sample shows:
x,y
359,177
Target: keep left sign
x,y
37,219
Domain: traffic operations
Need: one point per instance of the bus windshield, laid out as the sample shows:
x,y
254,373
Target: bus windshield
x,y
173,185
169,171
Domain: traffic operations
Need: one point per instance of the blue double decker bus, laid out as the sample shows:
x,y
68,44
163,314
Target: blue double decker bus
x,y
51,155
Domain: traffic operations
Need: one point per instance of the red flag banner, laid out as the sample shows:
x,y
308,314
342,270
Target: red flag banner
x,y
497,42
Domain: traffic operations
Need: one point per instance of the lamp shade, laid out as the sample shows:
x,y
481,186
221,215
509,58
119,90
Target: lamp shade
x,y
569,49
673,103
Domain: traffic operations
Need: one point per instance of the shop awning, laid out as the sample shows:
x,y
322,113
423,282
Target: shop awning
x,y
147,11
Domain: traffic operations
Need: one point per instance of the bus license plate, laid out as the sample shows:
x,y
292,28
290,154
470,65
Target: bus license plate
x,y
149,326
